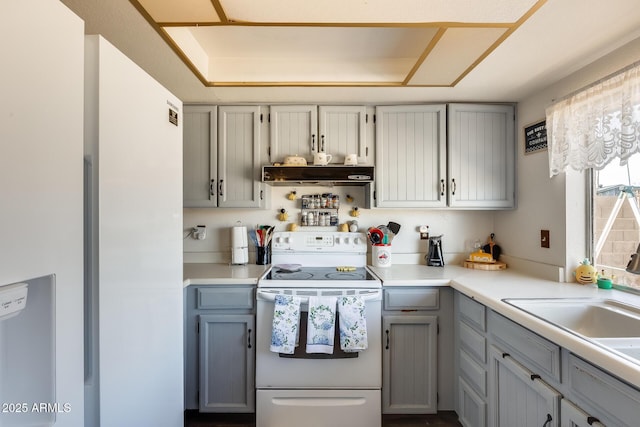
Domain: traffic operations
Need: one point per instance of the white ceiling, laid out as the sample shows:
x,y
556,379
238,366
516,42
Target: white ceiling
x,y
361,50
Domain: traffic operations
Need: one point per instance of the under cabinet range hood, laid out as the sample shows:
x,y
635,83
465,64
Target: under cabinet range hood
x,y
322,175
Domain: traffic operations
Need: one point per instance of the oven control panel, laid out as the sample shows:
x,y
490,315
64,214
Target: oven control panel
x,y
309,241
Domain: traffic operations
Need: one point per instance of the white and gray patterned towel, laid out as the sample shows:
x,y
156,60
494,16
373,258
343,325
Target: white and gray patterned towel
x,y
286,319
321,324
353,323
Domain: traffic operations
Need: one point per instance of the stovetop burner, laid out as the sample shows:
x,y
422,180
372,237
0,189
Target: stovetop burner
x,y
320,273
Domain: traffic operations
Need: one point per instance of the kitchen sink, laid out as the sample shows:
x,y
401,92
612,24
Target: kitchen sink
x,y
608,323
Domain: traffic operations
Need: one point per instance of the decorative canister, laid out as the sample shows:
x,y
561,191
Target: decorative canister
x,y
381,255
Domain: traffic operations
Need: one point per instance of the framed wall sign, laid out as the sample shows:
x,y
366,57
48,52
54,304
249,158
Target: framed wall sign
x,y
535,137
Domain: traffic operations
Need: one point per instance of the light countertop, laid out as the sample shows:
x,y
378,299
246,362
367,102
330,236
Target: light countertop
x,y
222,274
487,287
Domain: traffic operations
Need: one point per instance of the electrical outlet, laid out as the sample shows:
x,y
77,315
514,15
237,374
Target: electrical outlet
x,y
199,232
544,238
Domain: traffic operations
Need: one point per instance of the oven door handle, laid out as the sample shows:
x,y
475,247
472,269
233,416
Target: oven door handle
x,y
263,295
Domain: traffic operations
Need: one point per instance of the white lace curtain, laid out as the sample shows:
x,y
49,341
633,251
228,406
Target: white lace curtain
x,y
596,125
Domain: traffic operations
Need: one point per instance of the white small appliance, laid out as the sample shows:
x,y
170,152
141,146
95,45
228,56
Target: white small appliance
x,y
239,245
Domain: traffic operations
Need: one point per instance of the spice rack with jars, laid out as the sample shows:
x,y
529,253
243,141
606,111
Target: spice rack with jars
x,y
320,210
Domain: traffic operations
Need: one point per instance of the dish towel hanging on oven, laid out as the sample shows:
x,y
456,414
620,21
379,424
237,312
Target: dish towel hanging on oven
x,y
286,320
353,323
321,324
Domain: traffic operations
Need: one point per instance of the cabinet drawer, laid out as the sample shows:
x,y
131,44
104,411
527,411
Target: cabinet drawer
x,y
211,298
471,408
536,353
473,312
411,299
475,374
603,392
473,342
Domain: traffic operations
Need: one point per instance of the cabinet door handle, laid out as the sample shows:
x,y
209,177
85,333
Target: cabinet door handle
x,y
548,421
220,187
249,338
322,146
212,187
453,186
313,142
387,346
442,187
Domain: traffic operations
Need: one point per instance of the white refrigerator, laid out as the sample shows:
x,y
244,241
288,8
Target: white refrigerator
x,y
133,230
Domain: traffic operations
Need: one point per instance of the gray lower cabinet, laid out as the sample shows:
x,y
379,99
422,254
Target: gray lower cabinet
x,y
227,355
573,416
471,361
528,380
410,350
219,360
409,381
518,397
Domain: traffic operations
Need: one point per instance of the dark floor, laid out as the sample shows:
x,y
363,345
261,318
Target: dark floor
x,y
442,419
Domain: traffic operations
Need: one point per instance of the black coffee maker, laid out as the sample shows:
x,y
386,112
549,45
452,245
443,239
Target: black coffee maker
x,y
434,255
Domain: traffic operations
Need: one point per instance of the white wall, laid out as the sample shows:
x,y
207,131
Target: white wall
x,y
460,228
42,45
556,204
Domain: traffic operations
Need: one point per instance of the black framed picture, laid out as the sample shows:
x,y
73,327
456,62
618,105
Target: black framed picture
x,y
535,137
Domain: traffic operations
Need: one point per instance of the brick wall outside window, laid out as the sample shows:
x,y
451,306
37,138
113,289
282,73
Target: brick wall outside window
x,y
622,240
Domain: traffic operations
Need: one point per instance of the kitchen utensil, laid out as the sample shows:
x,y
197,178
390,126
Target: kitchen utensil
x,y
295,161
375,235
289,268
394,227
322,159
492,248
351,160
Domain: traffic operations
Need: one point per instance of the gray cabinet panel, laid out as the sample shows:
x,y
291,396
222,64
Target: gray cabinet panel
x,y
481,156
472,410
227,354
342,131
572,416
536,353
474,373
225,298
606,395
519,398
239,157
410,156
411,299
409,382
472,312
473,342
200,157
294,131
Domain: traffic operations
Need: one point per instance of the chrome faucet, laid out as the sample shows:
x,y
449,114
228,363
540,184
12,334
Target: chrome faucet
x,y
634,263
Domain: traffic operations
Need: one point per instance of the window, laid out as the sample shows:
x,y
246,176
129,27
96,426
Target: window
x,y
614,221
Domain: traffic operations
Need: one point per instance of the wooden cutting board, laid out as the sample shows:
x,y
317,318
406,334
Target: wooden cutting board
x,y
485,266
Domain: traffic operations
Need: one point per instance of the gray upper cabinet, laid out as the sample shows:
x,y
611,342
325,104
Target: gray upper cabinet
x,y
221,157
343,131
481,156
410,156
293,130
200,156
304,130
239,183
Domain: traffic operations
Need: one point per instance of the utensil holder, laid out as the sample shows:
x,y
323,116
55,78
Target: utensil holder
x,y
381,255
263,255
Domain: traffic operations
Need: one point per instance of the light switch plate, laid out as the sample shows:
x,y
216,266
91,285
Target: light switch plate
x,y
544,238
